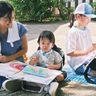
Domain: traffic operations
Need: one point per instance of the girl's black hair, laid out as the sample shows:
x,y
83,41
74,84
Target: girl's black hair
x,y
72,18
47,34
6,9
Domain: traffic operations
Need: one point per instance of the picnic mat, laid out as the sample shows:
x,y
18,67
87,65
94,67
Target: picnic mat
x,y
72,76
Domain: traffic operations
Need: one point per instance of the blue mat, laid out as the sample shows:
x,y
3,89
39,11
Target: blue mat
x,y
72,76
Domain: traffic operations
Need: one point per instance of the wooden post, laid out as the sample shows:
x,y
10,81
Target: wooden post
x,y
83,0
76,3
69,4
90,1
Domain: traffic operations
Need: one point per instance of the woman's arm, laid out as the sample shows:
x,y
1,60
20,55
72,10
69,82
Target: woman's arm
x,y
24,48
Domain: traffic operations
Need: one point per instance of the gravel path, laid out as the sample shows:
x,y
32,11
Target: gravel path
x,y
34,29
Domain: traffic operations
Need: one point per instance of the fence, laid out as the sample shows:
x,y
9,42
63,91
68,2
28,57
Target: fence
x,y
71,3
74,3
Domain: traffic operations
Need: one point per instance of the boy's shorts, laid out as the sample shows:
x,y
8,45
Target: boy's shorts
x,y
64,73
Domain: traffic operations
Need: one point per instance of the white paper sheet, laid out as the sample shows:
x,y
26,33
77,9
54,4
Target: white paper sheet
x,y
9,72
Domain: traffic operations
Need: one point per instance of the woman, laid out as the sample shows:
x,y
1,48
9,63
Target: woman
x,y
13,39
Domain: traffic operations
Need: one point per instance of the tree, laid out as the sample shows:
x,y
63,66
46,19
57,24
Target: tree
x,y
61,7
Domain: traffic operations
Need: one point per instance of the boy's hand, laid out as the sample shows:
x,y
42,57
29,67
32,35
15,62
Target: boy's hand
x,y
51,66
33,61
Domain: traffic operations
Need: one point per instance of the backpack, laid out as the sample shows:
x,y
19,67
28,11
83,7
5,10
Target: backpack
x,y
92,65
60,51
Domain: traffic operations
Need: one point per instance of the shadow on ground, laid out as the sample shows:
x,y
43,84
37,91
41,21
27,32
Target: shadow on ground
x,y
67,88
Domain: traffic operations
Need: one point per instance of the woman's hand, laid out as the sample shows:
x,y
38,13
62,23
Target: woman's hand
x,y
4,59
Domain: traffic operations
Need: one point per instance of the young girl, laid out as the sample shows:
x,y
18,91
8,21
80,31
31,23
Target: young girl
x,y
46,57
79,47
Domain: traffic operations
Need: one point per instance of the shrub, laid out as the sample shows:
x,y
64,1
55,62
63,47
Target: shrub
x,y
26,10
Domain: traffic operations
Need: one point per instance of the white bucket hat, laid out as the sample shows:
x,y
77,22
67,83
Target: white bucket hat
x,y
85,9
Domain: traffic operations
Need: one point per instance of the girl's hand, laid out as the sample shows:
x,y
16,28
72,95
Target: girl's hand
x,y
90,50
33,61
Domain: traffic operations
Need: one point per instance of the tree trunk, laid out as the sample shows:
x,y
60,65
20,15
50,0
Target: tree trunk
x,y
60,8
91,1
83,0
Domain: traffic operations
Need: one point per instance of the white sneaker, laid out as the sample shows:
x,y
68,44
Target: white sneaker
x,y
46,88
53,88
12,85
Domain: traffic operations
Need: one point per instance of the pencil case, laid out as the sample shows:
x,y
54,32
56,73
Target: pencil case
x,y
37,71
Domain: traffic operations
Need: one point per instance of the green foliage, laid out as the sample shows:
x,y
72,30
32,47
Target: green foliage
x,y
26,10
38,10
94,8
60,4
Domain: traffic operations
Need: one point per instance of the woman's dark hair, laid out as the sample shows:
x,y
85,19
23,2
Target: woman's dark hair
x,y
71,17
6,9
47,34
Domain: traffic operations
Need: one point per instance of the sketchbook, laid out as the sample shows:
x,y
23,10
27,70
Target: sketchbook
x,y
23,71
90,57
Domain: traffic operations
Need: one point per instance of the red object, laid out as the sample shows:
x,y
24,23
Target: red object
x,y
18,66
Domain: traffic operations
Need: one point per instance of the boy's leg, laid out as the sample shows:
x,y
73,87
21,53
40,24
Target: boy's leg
x,y
12,85
53,88
92,73
64,73
54,85
61,77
